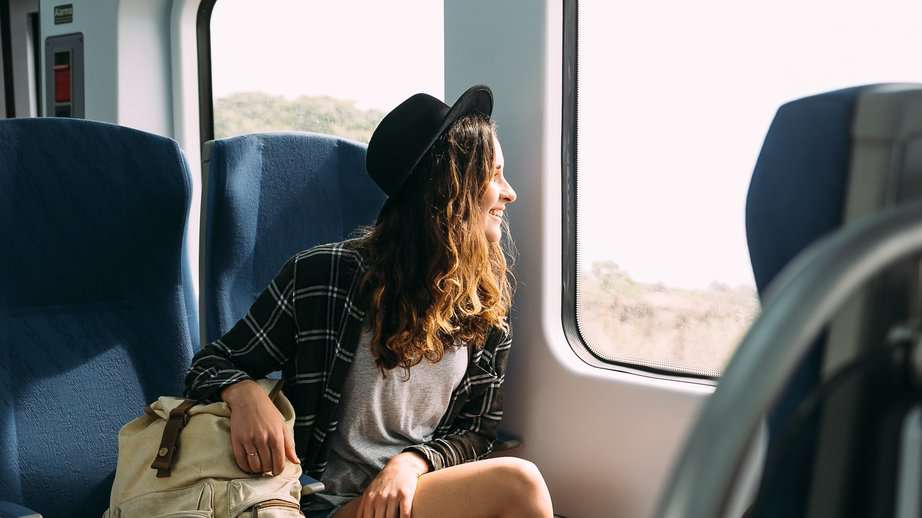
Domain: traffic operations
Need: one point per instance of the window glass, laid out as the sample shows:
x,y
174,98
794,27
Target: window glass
x,y
321,66
674,100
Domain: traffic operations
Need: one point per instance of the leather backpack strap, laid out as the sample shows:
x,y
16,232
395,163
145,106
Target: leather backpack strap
x,y
276,389
166,454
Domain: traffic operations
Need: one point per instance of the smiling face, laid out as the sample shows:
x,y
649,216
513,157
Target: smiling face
x,y
498,194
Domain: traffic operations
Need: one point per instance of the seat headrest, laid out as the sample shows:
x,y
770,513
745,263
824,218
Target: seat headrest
x,y
268,196
798,188
88,210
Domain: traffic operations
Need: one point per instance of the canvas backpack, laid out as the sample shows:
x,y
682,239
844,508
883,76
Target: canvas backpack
x,y
176,461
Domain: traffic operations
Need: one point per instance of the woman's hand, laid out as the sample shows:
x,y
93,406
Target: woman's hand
x,y
258,433
390,494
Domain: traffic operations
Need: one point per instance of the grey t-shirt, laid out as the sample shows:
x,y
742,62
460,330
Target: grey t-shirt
x,y
383,414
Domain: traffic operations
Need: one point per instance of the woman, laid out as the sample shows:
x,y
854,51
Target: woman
x,y
393,345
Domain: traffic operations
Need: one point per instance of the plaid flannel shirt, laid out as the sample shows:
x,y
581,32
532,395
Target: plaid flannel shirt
x,y
307,323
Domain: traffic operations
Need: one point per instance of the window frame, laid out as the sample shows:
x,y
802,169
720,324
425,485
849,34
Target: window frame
x,y
570,264
6,44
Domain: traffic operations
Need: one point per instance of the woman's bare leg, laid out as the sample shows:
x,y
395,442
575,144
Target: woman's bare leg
x,y
493,488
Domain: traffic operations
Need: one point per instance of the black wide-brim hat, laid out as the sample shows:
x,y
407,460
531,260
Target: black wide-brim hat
x,y
405,134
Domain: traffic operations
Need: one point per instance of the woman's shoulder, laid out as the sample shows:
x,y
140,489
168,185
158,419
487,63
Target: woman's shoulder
x,y
499,337
348,249
328,261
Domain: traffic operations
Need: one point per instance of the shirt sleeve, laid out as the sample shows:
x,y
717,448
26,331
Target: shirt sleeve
x,y
258,344
474,431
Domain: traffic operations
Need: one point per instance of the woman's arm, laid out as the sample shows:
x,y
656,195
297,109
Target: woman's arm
x,y
258,344
474,430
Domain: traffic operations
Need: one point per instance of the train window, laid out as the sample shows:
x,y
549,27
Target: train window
x,y
326,67
673,103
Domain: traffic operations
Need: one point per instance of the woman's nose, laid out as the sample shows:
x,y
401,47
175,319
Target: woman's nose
x,y
509,193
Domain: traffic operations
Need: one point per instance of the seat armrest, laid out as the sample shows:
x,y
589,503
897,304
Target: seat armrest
x,y
309,486
11,510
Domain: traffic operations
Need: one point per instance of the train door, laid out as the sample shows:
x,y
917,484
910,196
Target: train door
x,y
20,59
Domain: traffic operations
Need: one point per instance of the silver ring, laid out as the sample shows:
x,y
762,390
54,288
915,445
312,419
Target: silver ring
x,y
252,453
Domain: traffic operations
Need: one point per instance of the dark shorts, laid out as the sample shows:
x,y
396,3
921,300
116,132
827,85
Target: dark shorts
x,y
324,513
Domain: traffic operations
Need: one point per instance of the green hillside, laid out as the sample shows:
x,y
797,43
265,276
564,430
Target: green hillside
x,y
251,112
626,320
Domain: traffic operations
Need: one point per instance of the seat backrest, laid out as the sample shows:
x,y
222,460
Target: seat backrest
x,y
827,160
266,197
797,196
97,312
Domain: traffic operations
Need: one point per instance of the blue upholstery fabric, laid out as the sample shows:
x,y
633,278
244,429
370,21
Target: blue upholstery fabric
x,y
268,197
797,195
97,316
11,510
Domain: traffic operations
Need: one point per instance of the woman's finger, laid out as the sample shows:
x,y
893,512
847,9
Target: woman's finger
x,y
391,509
278,453
240,456
252,454
406,505
290,450
369,506
265,455
378,507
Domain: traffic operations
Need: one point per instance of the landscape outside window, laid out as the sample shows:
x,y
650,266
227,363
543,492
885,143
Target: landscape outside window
x,y
674,100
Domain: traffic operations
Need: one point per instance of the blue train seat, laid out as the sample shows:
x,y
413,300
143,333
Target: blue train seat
x,y
97,312
796,196
266,197
827,160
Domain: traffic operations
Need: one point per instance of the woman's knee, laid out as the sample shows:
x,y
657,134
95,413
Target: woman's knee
x,y
527,486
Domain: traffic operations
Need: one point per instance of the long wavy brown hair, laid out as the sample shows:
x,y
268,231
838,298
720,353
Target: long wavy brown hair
x,y
434,280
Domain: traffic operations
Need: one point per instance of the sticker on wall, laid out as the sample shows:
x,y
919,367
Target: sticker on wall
x,y
63,14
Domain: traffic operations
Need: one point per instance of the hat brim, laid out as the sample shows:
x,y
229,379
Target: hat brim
x,y
477,99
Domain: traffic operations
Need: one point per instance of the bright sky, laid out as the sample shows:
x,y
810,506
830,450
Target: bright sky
x,y
675,99
376,53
